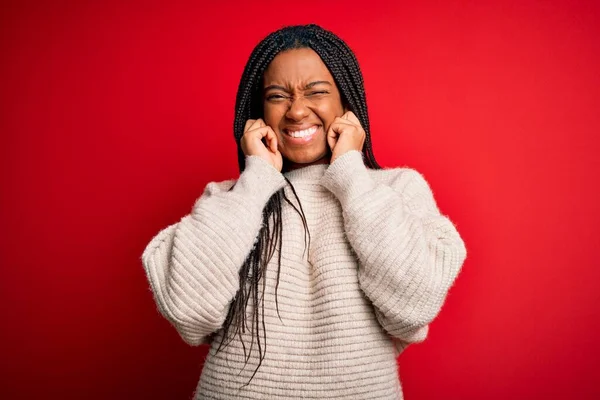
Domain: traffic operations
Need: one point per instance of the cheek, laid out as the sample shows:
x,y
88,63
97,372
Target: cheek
x,y
328,113
271,115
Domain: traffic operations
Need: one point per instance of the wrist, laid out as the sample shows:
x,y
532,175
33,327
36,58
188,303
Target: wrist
x,y
347,177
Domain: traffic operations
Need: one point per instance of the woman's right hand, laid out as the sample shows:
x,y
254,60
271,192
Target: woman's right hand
x,y
253,145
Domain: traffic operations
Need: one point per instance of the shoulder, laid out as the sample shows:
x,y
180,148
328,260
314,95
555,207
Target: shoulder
x,y
402,179
411,184
216,187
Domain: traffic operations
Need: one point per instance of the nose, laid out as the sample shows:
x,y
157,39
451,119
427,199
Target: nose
x,y
297,110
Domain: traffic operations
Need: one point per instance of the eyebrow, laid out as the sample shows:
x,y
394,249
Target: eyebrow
x,y
308,86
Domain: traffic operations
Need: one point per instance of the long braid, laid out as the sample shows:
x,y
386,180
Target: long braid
x,y
342,63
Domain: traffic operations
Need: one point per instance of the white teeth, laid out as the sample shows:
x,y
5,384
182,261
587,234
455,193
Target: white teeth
x,y
305,132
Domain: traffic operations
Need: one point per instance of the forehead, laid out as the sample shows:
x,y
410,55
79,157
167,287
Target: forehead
x,y
296,66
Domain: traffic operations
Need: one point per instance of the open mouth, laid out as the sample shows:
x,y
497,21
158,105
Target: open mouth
x,y
302,136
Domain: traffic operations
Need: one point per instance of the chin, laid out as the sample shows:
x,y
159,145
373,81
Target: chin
x,y
306,158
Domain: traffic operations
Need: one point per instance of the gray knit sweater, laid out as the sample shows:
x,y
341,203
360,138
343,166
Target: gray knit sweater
x,y
382,259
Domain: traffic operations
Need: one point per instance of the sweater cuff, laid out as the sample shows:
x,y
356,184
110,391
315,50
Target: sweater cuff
x,y
260,180
348,177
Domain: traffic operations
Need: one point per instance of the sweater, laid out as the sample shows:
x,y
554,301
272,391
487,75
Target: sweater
x,y
381,261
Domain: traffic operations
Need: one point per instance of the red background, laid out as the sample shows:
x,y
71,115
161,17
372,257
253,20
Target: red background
x,y
114,117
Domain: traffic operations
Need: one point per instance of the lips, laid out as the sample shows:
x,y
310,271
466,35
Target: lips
x,y
301,134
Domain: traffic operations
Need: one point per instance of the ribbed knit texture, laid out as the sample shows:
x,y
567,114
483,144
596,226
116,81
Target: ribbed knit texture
x,y
381,261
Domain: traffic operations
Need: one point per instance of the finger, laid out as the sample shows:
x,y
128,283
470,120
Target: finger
x,y
248,124
259,133
350,116
343,121
332,137
271,139
331,141
258,123
340,126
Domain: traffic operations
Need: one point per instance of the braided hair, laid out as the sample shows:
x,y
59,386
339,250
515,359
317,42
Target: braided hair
x,y
342,63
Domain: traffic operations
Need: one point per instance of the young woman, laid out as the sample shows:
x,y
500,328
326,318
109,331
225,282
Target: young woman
x,y
312,271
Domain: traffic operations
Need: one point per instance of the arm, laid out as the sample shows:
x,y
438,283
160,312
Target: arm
x,y
409,254
193,265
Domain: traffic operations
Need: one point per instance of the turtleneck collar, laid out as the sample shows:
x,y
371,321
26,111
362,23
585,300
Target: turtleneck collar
x,y
308,173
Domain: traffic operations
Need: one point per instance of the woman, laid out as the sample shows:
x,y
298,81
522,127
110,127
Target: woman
x,y
313,270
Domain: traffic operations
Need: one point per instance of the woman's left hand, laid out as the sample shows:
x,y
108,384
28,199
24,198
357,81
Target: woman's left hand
x,y
345,134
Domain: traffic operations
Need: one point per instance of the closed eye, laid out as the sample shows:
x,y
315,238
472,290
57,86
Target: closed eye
x,y
280,97
276,97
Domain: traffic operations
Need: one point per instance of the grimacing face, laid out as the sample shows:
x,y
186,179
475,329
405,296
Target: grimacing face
x,y
301,100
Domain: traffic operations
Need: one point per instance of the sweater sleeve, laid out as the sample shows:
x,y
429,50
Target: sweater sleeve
x,y
193,265
409,254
